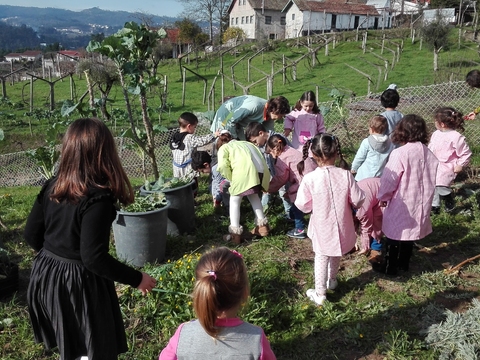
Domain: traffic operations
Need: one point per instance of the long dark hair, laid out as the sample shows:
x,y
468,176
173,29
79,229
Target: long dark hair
x,y
308,96
89,158
453,119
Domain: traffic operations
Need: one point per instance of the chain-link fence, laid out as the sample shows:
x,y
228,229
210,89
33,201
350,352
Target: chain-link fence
x,y
19,169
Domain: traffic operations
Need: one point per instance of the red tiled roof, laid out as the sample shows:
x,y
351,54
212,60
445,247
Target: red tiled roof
x,y
356,7
71,53
172,34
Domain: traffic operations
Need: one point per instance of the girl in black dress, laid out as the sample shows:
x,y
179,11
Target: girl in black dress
x,y
71,296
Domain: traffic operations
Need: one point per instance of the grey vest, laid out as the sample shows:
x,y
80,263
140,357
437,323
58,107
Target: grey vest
x,y
243,342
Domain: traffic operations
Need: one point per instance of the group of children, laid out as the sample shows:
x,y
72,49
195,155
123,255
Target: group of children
x,y
399,175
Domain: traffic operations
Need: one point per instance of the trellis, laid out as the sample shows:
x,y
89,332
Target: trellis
x,y
19,169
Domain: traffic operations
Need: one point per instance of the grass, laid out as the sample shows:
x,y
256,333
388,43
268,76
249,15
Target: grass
x,y
24,130
369,316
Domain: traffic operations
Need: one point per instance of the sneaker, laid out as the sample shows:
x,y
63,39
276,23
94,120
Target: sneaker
x,y
332,284
297,234
317,299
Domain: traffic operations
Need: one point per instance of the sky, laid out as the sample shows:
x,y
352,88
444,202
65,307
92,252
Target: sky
x,y
155,7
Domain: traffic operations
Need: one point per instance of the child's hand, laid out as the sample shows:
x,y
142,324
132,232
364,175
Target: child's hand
x,y
469,116
147,284
217,133
353,171
457,169
286,132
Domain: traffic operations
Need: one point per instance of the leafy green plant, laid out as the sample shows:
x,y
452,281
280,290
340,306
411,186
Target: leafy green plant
x,y
161,184
46,156
146,203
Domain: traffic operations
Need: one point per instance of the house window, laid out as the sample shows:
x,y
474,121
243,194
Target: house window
x,y
293,16
251,19
236,21
282,20
243,19
272,36
232,22
268,19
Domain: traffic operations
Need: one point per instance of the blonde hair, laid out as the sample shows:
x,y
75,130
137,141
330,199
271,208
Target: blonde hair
x,y
221,284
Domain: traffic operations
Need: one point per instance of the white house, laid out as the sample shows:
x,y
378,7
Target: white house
x,y
29,55
258,18
305,17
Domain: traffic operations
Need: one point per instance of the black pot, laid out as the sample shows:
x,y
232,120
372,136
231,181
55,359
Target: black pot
x,y
181,213
8,279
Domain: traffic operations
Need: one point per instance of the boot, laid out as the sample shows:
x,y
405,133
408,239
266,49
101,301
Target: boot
x,y
235,234
261,229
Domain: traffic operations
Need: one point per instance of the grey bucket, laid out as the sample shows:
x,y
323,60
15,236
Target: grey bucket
x,y
181,213
141,237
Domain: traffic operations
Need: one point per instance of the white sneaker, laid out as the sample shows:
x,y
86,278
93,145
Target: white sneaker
x,y
332,284
317,299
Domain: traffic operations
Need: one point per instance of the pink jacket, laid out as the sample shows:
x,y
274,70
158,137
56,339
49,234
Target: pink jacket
x,y
407,184
329,193
286,171
370,214
451,150
303,125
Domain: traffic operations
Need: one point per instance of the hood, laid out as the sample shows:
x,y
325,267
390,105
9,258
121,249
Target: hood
x,y
380,143
177,141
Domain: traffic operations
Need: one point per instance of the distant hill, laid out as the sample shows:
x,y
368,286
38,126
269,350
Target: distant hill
x,y
20,26
85,20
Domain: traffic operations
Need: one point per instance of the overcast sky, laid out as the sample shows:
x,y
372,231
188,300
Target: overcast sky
x,y
154,7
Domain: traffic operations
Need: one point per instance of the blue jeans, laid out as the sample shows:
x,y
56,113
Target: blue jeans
x,y
298,216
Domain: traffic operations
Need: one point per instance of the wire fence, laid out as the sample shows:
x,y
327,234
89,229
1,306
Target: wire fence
x,y
18,169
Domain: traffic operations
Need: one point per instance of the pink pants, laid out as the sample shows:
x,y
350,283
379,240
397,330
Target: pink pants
x,y
326,267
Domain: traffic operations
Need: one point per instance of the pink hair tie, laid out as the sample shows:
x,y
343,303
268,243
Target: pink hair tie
x,y
212,273
237,253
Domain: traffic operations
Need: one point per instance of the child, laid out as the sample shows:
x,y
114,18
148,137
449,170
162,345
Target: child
x,y
202,162
236,113
369,217
305,120
221,289
329,193
243,165
390,99
71,296
451,149
473,80
183,142
406,189
373,153
287,171
258,135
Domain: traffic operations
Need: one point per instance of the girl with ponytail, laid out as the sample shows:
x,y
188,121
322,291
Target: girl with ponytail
x,y
221,288
329,193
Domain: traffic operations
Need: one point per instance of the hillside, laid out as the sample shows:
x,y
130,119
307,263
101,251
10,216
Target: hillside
x,y
28,27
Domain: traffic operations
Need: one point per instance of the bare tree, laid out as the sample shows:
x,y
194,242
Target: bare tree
x,y
211,11
435,34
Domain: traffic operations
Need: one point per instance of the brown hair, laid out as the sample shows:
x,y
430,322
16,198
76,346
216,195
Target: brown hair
x,y
473,78
90,159
199,158
452,118
278,105
221,284
277,142
187,118
308,96
378,124
223,139
411,128
324,147
253,129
